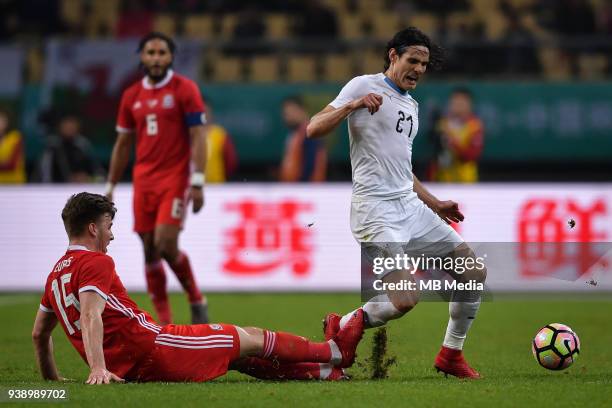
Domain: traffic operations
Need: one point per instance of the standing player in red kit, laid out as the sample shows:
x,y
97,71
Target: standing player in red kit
x,y
164,114
120,342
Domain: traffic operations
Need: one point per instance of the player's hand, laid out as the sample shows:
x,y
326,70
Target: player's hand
x,y
371,101
102,376
196,194
449,211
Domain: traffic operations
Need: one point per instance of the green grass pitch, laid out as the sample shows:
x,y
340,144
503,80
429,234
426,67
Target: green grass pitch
x,y
498,346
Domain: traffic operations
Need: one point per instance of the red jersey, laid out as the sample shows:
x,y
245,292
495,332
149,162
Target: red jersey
x,y
129,333
161,115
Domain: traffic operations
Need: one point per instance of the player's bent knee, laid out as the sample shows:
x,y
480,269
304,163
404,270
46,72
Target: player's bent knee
x,y
167,248
405,302
478,274
404,306
481,274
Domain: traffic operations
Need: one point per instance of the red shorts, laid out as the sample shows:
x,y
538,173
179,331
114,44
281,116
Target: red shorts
x,y
153,207
191,353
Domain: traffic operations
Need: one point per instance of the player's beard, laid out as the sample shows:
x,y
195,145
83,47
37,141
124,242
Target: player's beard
x,y
156,78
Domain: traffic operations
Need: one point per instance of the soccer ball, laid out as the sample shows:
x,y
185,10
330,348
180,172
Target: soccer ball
x,y
556,346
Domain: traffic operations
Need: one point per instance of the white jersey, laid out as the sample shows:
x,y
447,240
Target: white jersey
x,y
381,144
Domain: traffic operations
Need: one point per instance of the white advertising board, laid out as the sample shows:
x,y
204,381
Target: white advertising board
x,y
278,237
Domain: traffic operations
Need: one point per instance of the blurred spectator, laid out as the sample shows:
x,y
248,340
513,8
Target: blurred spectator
x,y
574,17
12,152
520,47
461,136
434,140
315,21
441,7
442,33
401,7
41,17
27,17
304,159
9,19
183,7
605,17
249,27
69,157
135,20
222,159
465,48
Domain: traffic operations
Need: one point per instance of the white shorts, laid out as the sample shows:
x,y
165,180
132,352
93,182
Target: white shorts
x,y
405,220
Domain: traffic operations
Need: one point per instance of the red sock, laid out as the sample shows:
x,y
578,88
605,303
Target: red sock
x,y
289,348
268,370
182,270
156,286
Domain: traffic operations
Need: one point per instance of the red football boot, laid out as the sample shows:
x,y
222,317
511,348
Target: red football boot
x,y
331,325
451,361
337,374
348,338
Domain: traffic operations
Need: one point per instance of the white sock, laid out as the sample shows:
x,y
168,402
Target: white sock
x,y
462,316
336,355
325,371
378,310
346,318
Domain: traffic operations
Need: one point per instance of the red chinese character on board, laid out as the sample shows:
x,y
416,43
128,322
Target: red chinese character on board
x,y
267,237
549,246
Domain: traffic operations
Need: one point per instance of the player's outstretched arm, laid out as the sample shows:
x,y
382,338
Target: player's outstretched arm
x,y
92,328
43,344
447,210
119,160
329,118
199,156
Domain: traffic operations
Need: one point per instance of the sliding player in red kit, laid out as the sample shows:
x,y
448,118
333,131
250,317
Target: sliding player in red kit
x,y
164,114
121,342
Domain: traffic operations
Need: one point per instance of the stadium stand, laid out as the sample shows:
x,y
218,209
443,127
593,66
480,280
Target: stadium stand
x,y
362,25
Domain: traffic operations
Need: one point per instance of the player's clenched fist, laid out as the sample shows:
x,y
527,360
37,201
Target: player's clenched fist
x,y
102,376
371,101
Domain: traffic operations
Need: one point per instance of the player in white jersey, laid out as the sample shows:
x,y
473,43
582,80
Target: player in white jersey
x,y
389,204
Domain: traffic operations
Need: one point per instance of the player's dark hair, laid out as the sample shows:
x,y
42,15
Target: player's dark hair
x,y
295,99
461,90
156,35
413,36
84,208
